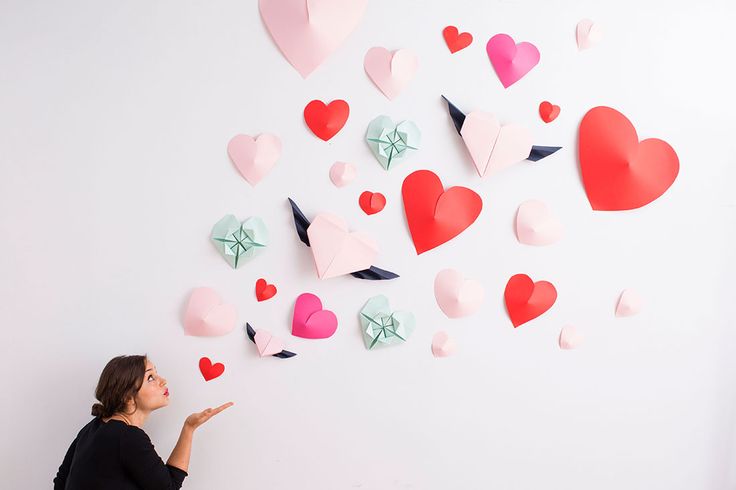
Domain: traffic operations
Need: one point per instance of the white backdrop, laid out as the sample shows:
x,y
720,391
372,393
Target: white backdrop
x,y
114,118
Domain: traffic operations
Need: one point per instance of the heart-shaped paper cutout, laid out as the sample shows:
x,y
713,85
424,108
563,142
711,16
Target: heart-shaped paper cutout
x,y
456,41
372,202
267,344
457,296
620,172
492,146
308,31
443,345
391,72
326,121
536,225
588,34
207,316
381,326
310,321
548,111
264,290
210,371
570,338
239,242
526,300
435,215
337,251
510,60
341,173
629,303
254,158
392,143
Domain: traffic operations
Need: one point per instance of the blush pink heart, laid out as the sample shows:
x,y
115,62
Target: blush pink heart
x,y
536,225
457,296
341,173
254,158
570,338
510,60
443,345
492,146
337,251
267,344
310,321
391,72
588,34
207,316
629,303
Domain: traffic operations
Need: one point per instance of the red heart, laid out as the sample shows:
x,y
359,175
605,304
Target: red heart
x,y
456,41
264,290
526,300
210,371
372,202
548,111
326,120
435,215
620,172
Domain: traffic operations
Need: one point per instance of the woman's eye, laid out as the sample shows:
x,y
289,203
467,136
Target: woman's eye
x,y
150,377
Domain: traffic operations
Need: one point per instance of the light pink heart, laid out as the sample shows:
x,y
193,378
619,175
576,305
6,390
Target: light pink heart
x,y
443,345
457,296
588,34
570,338
629,303
494,147
254,158
337,251
310,321
267,344
536,225
510,60
207,316
341,173
391,72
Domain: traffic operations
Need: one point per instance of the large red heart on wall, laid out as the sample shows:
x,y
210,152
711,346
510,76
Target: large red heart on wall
x,y
619,171
526,299
326,121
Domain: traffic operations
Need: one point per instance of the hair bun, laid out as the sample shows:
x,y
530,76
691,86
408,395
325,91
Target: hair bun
x,y
98,410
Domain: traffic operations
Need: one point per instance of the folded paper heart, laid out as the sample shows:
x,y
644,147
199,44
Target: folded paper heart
x,y
548,111
381,326
570,338
457,296
254,157
341,173
238,242
492,146
588,34
264,290
310,321
337,251
325,121
392,143
619,171
536,225
443,345
526,300
435,215
372,202
210,371
267,344
629,303
207,316
456,41
308,31
510,60
391,72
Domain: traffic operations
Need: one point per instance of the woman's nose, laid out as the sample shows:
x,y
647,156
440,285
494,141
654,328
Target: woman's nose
x,y
163,381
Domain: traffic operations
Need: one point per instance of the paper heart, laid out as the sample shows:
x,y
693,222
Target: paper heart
x,y
435,215
443,345
308,31
455,42
391,143
629,303
588,34
536,225
210,371
326,121
207,316
341,173
337,251
254,158
456,295
570,338
372,202
239,242
620,172
391,72
494,147
264,290
310,321
510,60
267,344
526,300
548,111
381,326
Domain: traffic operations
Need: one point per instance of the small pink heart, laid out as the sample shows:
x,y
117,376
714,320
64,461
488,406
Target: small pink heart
x,y
254,158
310,321
391,72
267,344
629,303
588,34
570,338
341,173
443,345
510,60
492,146
536,225
207,316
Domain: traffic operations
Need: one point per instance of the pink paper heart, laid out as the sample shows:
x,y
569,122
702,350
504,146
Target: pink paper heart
x,y
629,303
494,147
570,338
456,295
207,316
443,345
536,225
310,321
391,72
254,158
588,34
308,31
510,60
337,251
341,173
267,344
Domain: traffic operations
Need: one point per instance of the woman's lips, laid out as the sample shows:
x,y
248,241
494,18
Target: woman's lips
x,y
166,393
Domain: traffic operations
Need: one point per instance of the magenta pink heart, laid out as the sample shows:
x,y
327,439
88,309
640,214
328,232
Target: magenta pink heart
x,y
310,321
510,60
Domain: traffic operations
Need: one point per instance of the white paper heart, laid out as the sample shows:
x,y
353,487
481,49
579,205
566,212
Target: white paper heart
x,y
536,225
456,295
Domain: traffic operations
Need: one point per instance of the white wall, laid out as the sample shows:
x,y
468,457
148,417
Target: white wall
x,y
114,117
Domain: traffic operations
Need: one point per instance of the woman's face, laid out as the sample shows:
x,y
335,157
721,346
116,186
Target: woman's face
x,y
153,393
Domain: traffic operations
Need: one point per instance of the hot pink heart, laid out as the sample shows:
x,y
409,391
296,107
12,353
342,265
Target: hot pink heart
x,y
310,321
510,60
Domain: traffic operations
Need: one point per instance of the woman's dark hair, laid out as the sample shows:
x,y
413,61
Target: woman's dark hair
x,y
120,380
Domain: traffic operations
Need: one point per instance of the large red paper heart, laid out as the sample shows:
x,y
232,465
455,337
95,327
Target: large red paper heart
x,y
264,290
326,120
372,202
548,111
210,371
526,299
620,172
455,41
436,215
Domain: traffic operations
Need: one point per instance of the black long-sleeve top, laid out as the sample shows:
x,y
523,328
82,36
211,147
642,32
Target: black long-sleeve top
x,y
115,456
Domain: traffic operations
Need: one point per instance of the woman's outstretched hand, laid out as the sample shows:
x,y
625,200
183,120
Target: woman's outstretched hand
x,y
199,418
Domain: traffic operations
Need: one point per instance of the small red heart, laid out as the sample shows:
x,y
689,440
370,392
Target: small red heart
x,y
372,202
264,290
526,299
548,111
456,41
326,121
210,371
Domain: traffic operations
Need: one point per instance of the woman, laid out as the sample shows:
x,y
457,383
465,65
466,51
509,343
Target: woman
x,y
112,452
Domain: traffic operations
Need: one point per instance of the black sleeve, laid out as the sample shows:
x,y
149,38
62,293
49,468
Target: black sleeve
x,y
143,464
63,473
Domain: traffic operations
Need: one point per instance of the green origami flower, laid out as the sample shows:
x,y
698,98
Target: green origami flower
x,y
381,326
237,241
391,143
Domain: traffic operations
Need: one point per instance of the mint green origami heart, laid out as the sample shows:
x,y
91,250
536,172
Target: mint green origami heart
x,y
391,143
381,326
237,242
